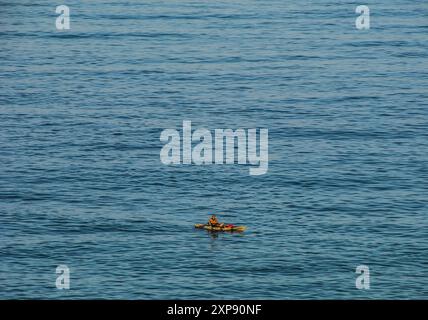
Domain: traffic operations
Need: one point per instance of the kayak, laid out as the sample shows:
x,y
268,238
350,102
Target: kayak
x,y
226,227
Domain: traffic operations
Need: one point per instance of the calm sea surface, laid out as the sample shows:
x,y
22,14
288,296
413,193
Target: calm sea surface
x,y
81,182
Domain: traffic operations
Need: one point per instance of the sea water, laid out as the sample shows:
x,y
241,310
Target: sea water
x,y
82,183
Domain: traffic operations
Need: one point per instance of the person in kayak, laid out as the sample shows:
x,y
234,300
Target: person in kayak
x,y
213,222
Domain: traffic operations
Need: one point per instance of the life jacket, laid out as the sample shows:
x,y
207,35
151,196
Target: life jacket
x,y
213,221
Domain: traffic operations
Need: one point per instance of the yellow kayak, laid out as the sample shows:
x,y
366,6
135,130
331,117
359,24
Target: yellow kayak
x,y
226,227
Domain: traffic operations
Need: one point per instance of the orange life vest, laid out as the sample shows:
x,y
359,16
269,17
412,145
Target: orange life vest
x,y
213,220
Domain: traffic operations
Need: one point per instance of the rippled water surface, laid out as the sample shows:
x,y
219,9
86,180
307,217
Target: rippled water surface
x,y
81,182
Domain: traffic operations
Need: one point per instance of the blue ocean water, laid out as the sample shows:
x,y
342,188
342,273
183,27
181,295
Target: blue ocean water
x,y
81,182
